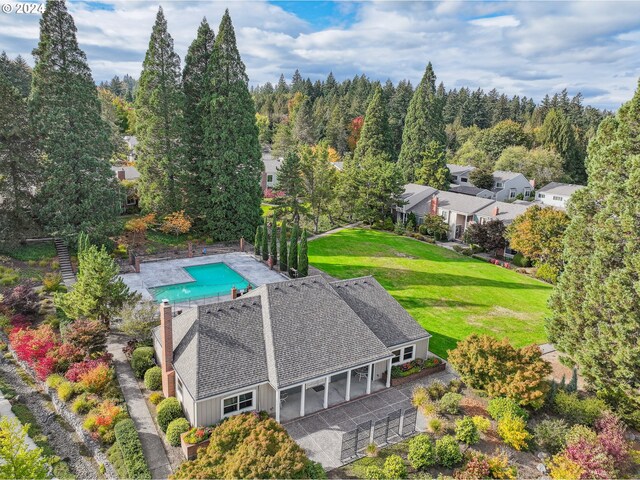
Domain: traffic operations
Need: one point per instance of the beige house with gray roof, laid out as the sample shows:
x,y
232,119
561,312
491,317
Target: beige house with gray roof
x,y
289,348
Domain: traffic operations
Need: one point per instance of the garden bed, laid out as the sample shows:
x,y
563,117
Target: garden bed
x,y
414,370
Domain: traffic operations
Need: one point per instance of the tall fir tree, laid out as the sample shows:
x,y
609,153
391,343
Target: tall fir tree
x,y
159,107
284,251
596,303
303,255
19,165
374,136
423,124
265,240
336,132
79,192
17,72
273,246
433,171
257,243
398,105
291,183
303,129
232,163
195,80
557,133
293,250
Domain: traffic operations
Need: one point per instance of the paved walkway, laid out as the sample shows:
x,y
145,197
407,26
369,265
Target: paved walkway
x,y
5,411
320,434
152,445
68,277
335,230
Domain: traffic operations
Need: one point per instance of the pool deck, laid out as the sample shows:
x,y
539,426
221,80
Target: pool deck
x,y
169,272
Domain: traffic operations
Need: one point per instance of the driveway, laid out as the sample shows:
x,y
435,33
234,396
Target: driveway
x,y
320,434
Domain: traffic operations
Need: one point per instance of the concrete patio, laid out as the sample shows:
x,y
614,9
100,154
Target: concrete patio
x,y
169,272
320,434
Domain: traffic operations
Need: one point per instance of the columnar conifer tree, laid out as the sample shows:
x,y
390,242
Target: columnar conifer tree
x,y
159,104
374,136
423,124
284,254
596,303
195,81
232,163
433,171
79,192
273,248
293,249
257,244
18,164
265,240
303,255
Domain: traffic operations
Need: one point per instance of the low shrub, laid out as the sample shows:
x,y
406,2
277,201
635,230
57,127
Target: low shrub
x,y
168,410
65,390
394,467
550,435
314,470
371,450
96,380
156,397
477,466
80,368
420,399
521,261
467,432
562,468
450,403
499,467
611,436
153,378
422,452
576,410
436,390
500,407
448,452
54,381
176,428
84,403
51,282
102,419
548,273
142,360
593,459
374,472
513,431
483,424
435,425
131,449
455,385
8,276
580,432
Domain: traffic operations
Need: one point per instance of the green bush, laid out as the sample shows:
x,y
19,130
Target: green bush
x,y
155,398
580,432
422,452
142,360
83,404
374,472
455,385
576,410
394,467
550,435
153,378
65,390
521,261
131,450
168,410
450,403
448,452
483,424
467,431
513,431
500,407
314,470
54,381
175,429
548,273
436,390
115,457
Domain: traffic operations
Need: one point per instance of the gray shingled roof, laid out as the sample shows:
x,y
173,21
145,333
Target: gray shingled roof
x,y
557,188
503,176
459,202
386,318
459,169
466,189
507,212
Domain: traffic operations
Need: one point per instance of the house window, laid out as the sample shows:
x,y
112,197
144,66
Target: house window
x,y
179,386
269,178
403,355
464,179
238,403
527,193
512,193
499,185
541,195
556,198
455,178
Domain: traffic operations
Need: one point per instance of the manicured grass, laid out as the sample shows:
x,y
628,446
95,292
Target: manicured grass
x,y
30,251
450,295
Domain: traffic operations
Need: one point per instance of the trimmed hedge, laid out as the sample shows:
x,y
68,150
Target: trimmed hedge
x,y
175,429
131,449
168,410
142,360
153,378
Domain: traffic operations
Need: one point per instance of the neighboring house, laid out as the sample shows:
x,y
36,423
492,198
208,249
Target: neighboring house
x,y
414,198
129,175
557,194
506,212
506,185
270,173
132,142
126,173
457,210
289,348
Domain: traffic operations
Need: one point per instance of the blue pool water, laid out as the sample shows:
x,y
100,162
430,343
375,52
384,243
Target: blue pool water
x,y
209,281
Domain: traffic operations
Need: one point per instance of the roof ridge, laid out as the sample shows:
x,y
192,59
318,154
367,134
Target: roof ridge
x,y
267,333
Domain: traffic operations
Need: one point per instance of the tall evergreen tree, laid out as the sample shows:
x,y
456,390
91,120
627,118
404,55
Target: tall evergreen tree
x,y
195,80
291,183
557,133
303,255
265,240
273,247
284,251
17,72
293,249
423,124
18,164
336,133
257,243
79,192
433,171
398,105
303,129
596,303
374,136
159,105
233,159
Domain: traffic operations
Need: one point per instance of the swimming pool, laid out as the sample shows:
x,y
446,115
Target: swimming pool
x,y
210,280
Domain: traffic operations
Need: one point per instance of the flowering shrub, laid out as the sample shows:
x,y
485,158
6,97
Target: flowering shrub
x,y
592,458
102,419
611,438
96,380
414,366
198,434
80,368
33,345
270,193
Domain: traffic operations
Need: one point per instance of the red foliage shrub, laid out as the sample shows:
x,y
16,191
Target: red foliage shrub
x,y
77,370
97,379
33,345
611,438
270,193
20,321
22,298
66,355
476,467
593,459
89,335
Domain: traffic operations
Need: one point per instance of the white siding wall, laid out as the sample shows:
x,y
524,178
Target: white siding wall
x,y
210,410
547,199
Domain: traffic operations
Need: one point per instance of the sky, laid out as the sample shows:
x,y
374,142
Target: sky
x,y
521,48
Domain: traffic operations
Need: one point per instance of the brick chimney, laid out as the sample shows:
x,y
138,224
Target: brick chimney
x,y
434,206
496,211
166,339
532,182
121,175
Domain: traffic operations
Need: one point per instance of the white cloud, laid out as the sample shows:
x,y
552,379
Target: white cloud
x,y
524,48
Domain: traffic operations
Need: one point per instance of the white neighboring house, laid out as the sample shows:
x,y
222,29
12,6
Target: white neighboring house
x,y
270,172
506,185
132,142
460,173
557,194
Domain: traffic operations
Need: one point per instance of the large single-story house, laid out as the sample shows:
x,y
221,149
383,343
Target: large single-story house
x,y
270,173
557,194
506,185
289,348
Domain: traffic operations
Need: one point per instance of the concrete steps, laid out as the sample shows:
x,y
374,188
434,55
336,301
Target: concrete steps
x,y
68,276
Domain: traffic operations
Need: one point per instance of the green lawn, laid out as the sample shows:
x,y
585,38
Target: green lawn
x,y
450,295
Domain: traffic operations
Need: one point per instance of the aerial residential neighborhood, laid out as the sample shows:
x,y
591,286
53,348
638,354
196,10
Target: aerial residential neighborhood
x,y
309,240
